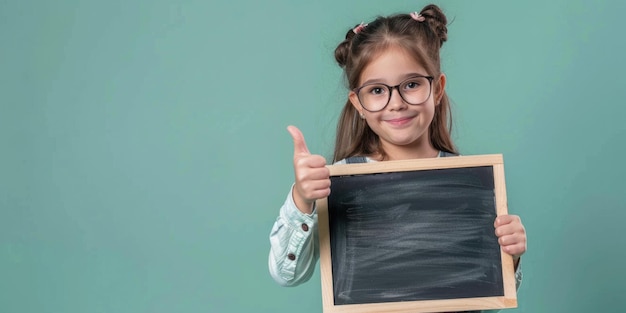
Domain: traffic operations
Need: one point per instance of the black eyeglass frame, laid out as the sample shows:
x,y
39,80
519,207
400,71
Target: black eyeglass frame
x,y
391,88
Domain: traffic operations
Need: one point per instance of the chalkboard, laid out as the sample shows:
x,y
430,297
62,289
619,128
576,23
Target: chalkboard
x,y
418,235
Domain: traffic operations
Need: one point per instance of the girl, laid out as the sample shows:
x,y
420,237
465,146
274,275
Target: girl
x,y
397,109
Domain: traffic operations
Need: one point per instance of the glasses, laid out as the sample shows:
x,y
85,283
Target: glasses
x,y
375,97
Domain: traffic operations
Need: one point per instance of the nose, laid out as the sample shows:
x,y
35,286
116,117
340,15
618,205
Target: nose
x,y
395,100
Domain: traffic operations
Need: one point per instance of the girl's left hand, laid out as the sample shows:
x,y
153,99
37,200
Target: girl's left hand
x,y
511,235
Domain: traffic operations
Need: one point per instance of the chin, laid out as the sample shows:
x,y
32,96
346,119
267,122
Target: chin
x,y
403,141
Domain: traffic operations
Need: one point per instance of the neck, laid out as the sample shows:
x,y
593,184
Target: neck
x,y
417,150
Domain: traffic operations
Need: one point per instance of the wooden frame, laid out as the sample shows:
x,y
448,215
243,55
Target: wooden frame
x,y
508,300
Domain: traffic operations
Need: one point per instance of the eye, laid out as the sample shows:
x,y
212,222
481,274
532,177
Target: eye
x,y
412,84
375,90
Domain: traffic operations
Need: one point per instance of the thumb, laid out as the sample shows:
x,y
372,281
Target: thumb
x,y
299,145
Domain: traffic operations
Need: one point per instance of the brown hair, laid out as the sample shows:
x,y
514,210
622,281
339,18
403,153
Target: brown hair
x,y
423,41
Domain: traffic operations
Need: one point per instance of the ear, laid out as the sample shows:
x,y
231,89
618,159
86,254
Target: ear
x,y
440,82
354,99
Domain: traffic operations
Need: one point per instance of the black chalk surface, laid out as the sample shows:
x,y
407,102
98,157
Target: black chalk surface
x,y
415,235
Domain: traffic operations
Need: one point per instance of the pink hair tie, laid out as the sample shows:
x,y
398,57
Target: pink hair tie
x,y
359,28
416,16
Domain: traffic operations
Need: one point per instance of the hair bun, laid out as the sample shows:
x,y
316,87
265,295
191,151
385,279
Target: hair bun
x,y
437,21
343,49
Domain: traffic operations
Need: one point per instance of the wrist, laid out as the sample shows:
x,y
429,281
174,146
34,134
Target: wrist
x,y
302,205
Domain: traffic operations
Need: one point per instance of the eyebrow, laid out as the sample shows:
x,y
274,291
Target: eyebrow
x,y
405,77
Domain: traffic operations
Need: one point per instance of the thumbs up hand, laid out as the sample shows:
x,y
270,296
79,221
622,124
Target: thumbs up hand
x,y
312,176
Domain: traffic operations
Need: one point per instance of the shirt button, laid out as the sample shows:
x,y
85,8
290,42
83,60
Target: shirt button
x,y
291,256
305,227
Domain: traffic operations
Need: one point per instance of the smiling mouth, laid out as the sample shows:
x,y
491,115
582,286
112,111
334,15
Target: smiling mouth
x,y
400,121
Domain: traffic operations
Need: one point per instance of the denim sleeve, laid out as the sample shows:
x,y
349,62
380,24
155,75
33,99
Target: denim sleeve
x,y
294,249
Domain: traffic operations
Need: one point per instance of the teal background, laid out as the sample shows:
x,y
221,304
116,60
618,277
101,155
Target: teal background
x,y
144,155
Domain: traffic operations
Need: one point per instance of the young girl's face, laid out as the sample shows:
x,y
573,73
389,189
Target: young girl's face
x,y
401,127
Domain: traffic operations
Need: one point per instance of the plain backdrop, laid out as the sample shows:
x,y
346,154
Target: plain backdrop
x,y
144,155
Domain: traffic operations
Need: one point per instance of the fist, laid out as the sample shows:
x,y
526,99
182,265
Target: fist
x,y
312,175
511,235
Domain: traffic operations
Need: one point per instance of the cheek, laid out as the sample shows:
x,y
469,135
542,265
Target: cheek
x,y
371,119
432,109
373,123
